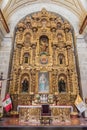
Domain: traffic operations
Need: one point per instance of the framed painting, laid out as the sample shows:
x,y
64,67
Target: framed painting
x,y
43,82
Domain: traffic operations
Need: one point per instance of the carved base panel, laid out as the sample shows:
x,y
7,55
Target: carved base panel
x,y
61,113
28,113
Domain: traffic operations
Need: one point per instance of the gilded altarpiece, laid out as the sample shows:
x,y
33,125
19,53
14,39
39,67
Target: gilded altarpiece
x,y
43,60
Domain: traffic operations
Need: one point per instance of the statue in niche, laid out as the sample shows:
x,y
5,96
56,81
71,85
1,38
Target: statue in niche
x,y
62,85
69,36
60,38
27,39
26,57
19,35
61,59
25,85
43,44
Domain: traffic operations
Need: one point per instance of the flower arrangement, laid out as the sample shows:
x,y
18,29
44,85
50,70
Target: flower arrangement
x,y
50,99
37,98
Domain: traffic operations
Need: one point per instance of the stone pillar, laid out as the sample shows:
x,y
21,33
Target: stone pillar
x,y
82,58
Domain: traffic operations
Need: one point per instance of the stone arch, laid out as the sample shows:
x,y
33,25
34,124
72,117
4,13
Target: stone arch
x,y
37,7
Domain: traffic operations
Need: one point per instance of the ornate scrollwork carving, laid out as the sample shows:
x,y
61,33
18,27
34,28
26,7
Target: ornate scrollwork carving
x,y
44,43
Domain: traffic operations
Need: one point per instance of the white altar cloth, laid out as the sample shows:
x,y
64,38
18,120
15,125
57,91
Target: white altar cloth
x,y
39,106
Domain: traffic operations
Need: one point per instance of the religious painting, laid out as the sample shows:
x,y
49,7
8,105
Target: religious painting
x,y
43,82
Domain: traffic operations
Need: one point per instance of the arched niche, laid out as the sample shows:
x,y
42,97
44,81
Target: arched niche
x,y
25,83
27,39
61,59
26,57
62,83
44,44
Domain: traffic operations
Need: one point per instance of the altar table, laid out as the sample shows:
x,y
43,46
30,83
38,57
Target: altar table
x,y
33,112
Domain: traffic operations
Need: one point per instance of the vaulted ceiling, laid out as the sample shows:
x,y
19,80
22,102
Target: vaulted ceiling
x,y
76,7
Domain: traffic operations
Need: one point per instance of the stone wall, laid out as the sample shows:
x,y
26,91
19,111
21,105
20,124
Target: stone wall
x,y
5,50
82,57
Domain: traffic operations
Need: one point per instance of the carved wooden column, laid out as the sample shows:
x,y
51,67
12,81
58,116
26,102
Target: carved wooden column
x,y
54,82
34,52
19,47
16,83
54,54
69,80
33,80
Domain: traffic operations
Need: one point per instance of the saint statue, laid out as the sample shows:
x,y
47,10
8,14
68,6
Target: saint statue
x,y
44,44
62,85
61,59
25,85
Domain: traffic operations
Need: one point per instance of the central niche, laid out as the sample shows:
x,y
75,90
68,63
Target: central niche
x,y
44,44
43,81
44,58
